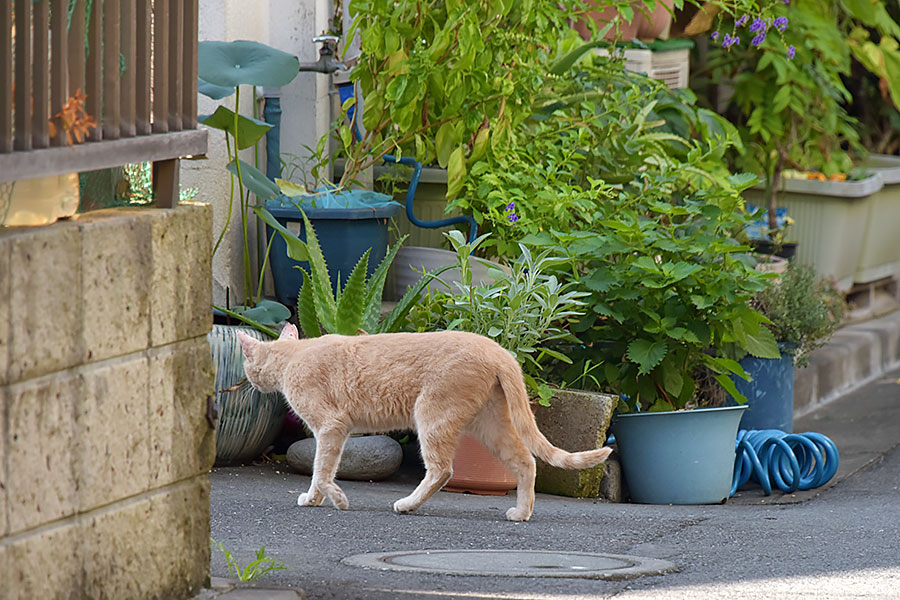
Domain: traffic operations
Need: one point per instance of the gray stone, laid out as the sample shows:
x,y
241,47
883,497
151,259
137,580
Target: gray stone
x,y
365,458
611,484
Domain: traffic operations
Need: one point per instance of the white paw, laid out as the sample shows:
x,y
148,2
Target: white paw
x,y
405,505
514,514
306,499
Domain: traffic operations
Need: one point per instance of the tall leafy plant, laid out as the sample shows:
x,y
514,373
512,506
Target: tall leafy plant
x,y
445,81
789,96
223,68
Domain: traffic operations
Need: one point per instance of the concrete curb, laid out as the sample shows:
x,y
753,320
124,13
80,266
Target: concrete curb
x,y
856,355
231,589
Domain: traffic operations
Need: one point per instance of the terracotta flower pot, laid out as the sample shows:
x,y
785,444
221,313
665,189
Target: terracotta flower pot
x,y
477,471
640,26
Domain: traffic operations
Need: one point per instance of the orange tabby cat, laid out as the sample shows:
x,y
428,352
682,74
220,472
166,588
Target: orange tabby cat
x,y
439,384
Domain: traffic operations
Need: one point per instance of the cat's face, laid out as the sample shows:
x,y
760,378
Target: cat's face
x,y
260,365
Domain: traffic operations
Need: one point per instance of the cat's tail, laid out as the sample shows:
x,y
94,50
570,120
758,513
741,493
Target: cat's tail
x,y
523,421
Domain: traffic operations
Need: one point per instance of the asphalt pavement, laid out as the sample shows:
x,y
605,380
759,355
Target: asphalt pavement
x,y
840,541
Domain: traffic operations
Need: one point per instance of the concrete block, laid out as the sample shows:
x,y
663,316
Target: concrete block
x,y
45,300
47,564
180,284
182,442
4,473
574,421
113,452
157,547
5,250
41,435
116,263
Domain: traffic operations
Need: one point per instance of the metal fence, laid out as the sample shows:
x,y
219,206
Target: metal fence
x,y
91,84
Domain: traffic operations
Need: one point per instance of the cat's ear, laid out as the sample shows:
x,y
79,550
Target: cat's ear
x,y
247,343
289,332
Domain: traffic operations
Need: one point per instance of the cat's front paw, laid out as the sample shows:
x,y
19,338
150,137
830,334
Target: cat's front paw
x,y
308,499
514,514
339,499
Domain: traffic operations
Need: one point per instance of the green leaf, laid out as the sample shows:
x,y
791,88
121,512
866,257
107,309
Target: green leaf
x,y
306,308
456,172
565,63
216,92
243,62
351,305
254,180
268,312
726,382
376,288
672,381
249,130
323,292
892,69
444,143
394,321
296,248
761,344
646,354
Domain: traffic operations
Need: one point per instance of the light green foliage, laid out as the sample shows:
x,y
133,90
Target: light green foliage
x,y
446,81
323,305
256,569
598,130
804,310
523,311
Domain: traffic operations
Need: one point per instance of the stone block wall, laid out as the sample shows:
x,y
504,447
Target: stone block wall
x,y
104,373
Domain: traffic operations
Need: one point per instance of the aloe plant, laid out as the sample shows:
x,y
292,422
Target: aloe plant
x,y
323,307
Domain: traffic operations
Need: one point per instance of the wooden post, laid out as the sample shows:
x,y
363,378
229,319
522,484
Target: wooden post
x,y
40,105
166,182
93,77
111,69
59,85
6,78
189,78
142,68
128,40
161,66
176,63
23,75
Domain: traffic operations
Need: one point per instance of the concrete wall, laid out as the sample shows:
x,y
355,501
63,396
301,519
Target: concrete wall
x,y
104,373
288,25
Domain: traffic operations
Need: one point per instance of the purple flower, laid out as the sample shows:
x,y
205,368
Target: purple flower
x,y
759,39
790,52
513,217
787,1
780,23
734,40
758,25
742,21
715,35
511,206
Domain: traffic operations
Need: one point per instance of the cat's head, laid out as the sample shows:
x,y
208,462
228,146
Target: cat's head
x,y
260,364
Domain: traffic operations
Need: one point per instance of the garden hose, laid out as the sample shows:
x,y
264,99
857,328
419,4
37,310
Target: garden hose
x,y
790,461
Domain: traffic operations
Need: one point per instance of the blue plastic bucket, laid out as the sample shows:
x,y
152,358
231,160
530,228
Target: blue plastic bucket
x,y
770,394
344,235
678,457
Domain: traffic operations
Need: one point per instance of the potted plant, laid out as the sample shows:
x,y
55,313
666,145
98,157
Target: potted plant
x,y
248,421
789,103
804,310
522,310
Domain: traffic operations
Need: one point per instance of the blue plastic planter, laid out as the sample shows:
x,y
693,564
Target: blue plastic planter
x,y
770,394
678,457
344,235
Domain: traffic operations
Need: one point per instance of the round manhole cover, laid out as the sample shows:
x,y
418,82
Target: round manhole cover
x,y
514,563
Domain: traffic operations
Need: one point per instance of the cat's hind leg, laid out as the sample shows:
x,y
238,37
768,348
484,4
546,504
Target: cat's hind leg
x,y
329,447
495,430
438,443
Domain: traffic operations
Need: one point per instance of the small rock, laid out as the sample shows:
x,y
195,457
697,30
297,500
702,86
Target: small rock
x,y
611,484
365,458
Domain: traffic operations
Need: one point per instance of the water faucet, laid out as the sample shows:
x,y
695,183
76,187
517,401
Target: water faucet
x,y
327,62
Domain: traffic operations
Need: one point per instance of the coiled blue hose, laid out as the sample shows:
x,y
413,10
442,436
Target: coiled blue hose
x,y
790,461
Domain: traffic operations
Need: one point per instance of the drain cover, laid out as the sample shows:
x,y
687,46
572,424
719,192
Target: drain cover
x,y
514,563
